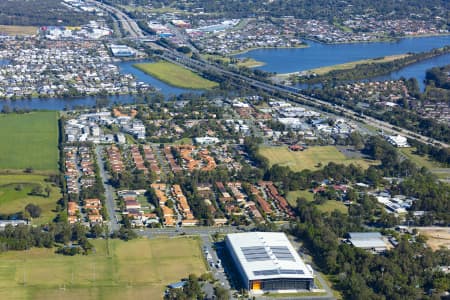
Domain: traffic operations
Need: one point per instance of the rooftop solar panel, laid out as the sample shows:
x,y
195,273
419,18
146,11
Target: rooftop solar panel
x,y
266,272
255,253
287,271
282,253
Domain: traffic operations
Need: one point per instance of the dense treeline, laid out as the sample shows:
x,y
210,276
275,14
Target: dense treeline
x,y
406,272
439,77
374,69
72,239
40,13
441,155
311,9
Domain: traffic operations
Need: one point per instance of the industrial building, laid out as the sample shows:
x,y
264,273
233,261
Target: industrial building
x,y
371,241
121,50
267,262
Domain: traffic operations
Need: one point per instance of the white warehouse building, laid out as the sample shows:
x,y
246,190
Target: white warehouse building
x,y
267,262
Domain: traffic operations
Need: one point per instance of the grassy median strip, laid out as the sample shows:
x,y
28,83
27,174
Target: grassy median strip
x,y
176,75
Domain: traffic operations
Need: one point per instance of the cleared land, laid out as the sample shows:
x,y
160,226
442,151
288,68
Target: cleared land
x,y
18,30
310,158
138,269
14,196
29,141
176,75
437,237
328,206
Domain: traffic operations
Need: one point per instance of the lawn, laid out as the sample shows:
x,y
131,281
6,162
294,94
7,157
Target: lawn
x,y
137,269
29,140
425,161
328,206
176,75
18,30
14,195
310,158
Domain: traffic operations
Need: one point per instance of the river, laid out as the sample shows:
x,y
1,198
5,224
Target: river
x,y
64,103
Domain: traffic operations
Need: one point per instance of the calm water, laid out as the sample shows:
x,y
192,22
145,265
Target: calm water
x,y
416,70
61,103
277,60
320,55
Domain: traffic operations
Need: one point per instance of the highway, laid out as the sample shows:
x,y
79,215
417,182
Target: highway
x,y
128,24
289,93
295,95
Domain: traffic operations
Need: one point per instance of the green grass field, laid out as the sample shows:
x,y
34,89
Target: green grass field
x,y
310,158
420,161
176,75
328,206
14,195
424,161
137,269
29,140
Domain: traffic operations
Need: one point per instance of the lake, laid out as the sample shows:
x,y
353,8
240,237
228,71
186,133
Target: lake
x,y
62,103
285,60
277,60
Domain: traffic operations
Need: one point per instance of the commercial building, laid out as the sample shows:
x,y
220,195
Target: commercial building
x,y
267,262
121,50
398,141
371,241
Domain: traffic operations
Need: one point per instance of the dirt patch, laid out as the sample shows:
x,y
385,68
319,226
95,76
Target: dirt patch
x,y
437,237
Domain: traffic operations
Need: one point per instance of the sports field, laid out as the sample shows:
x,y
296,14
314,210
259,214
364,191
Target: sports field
x,y
176,75
14,195
29,141
137,269
309,158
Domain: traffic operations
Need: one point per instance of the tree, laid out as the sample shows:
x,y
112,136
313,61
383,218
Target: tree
x,y
96,230
48,190
37,190
33,209
221,293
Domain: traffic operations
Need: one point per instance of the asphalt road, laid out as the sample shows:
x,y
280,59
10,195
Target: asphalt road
x,y
109,191
295,95
128,24
292,94
171,231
